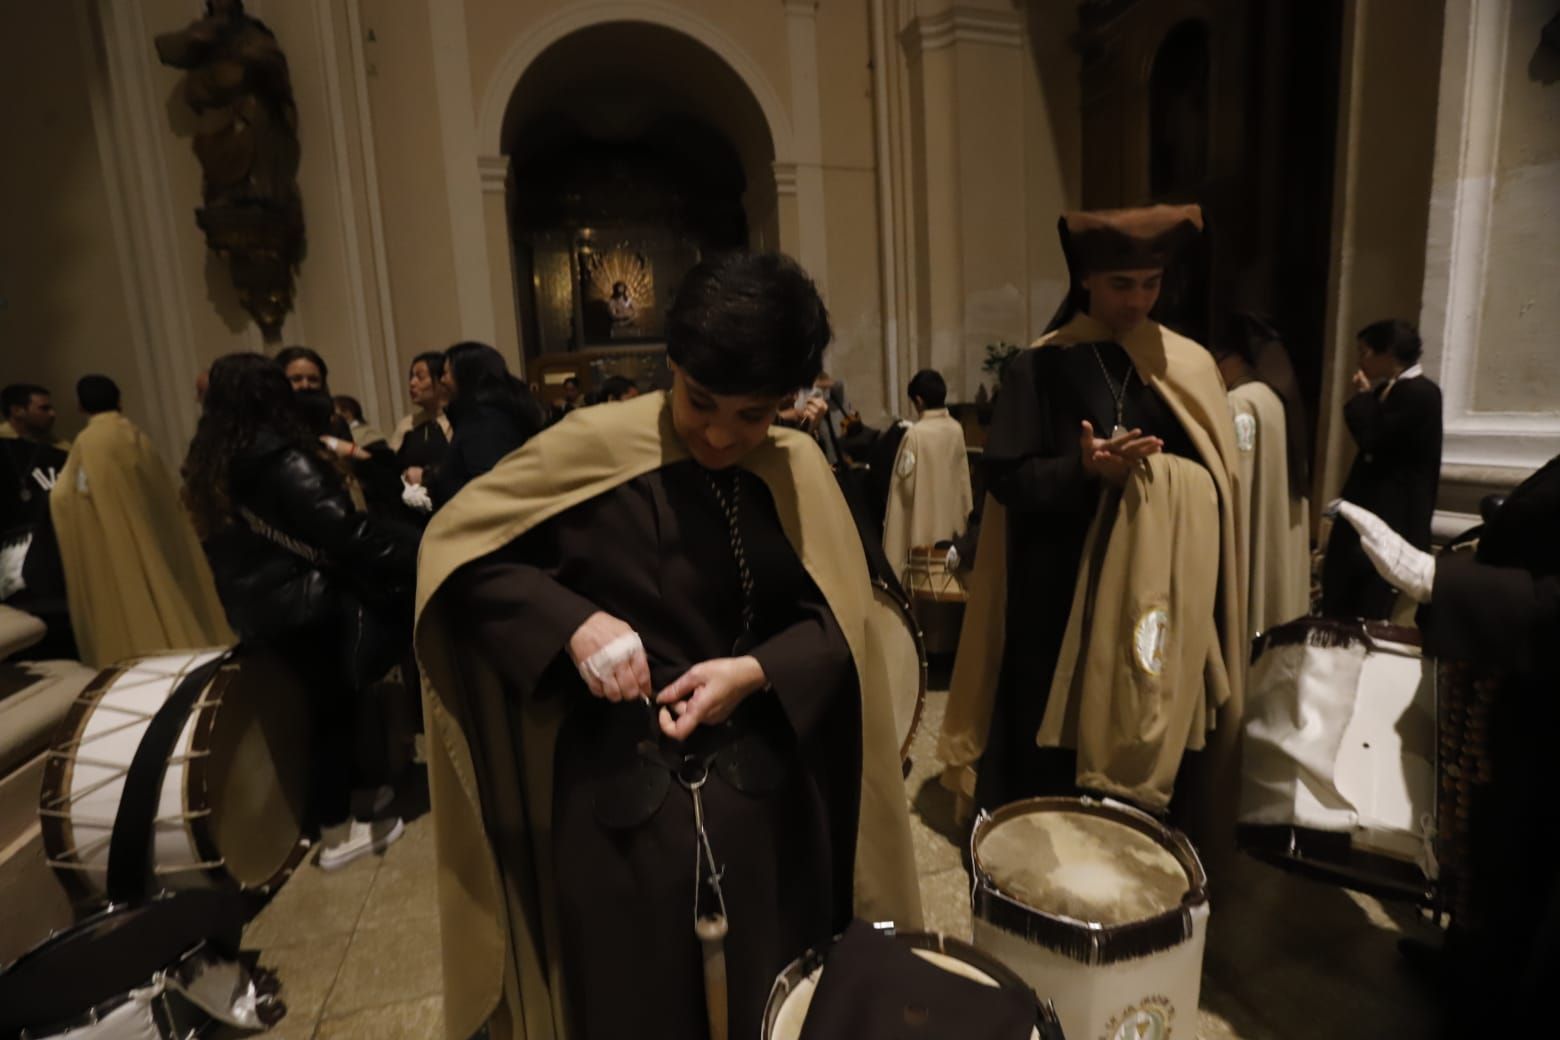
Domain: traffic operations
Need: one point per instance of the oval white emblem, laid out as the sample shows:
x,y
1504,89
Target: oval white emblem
x,y
1245,431
1148,640
1149,1020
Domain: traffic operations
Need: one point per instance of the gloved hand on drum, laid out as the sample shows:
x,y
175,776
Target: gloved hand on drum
x,y
1406,568
610,658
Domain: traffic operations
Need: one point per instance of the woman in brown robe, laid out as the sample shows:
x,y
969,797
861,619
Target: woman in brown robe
x,y
744,667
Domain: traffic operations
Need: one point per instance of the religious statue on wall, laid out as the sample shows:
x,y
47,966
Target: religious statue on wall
x,y
619,294
237,83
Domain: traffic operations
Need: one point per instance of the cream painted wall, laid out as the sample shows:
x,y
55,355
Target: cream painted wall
x,y
1489,305
64,311
412,169
850,202
1386,146
1518,367
1053,151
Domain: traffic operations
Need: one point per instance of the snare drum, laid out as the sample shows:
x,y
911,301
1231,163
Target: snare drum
x,y
1339,773
1100,908
927,577
233,795
901,654
791,996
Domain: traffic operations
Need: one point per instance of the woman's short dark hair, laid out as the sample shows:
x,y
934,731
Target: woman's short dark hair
x,y
929,386
1399,338
434,359
748,323
288,355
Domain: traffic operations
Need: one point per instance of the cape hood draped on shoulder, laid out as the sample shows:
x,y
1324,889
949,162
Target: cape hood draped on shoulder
x,y
1183,374
490,758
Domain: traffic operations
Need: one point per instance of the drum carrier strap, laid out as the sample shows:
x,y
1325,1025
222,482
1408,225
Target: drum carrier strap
x,y
130,845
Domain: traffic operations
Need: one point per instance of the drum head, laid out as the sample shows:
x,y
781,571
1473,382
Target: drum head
x,y
902,657
791,996
255,774
110,953
1086,867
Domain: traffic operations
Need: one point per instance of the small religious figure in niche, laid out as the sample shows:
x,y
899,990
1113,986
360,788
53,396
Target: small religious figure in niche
x,y
619,293
621,305
237,83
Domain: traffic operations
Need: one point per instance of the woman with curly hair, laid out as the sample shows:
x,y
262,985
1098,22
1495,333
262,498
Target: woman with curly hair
x,y
300,569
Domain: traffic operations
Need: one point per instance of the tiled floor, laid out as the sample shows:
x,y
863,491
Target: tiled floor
x,y
358,951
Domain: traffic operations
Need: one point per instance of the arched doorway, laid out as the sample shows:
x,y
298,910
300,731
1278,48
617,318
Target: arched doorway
x,y
633,150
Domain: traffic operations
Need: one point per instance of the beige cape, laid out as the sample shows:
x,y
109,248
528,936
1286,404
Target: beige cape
x,y
490,759
1139,673
1183,374
136,579
929,497
1278,542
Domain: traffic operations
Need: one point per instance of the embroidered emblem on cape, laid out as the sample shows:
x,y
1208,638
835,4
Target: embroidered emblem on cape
x,y
906,462
1148,640
1245,431
1149,1020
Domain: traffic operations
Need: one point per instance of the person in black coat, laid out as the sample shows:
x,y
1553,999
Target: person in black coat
x,y
1395,419
1493,615
491,411
301,570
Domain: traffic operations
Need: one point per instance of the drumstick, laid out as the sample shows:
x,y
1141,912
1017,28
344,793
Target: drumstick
x,y
712,935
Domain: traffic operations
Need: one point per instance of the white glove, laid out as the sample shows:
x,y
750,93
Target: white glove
x,y
1404,567
604,662
952,561
416,497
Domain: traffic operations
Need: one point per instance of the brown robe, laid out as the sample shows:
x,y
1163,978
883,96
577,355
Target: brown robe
x,y
492,758
1182,376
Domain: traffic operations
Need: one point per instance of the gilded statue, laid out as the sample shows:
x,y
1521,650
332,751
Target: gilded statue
x,y
237,83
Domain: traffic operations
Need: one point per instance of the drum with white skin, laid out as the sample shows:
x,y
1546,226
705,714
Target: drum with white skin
x,y
233,796
792,994
898,652
1339,766
1099,907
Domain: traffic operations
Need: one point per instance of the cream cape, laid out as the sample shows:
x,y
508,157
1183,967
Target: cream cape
x,y
136,578
1278,543
1183,374
490,759
1140,674
929,497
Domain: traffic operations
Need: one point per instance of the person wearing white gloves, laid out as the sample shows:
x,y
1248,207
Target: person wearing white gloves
x,y
1495,613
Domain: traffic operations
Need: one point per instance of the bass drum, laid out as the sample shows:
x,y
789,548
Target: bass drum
x,y
901,655
232,800
1339,764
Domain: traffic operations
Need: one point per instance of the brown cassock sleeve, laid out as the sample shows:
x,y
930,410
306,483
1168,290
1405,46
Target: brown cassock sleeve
x,y
798,661
1500,616
518,613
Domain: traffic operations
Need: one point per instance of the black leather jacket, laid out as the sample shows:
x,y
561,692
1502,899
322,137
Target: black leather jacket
x,y
268,588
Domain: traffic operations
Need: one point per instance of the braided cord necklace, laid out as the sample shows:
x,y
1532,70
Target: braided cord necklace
x,y
729,505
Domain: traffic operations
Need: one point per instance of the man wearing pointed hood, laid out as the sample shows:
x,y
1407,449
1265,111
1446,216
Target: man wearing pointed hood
x,y
667,584
1106,631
